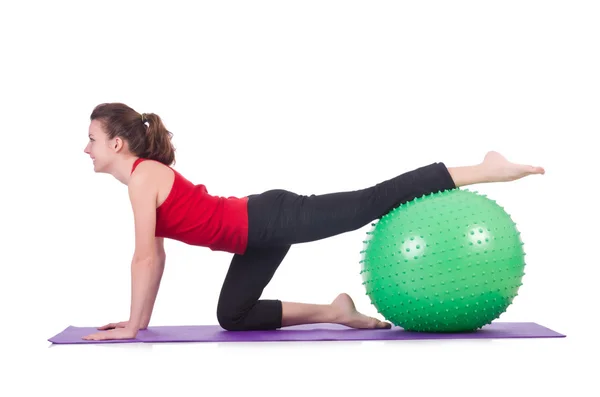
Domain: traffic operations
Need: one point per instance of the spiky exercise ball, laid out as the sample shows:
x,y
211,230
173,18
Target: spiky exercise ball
x,y
451,261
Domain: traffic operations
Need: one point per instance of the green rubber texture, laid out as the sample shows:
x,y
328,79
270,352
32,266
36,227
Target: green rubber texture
x,y
451,261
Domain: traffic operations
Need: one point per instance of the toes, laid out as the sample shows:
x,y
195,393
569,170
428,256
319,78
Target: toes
x,y
536,170
382,324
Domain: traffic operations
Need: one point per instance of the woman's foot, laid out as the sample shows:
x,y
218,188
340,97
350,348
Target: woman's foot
x,y
498,169
493,168
345,313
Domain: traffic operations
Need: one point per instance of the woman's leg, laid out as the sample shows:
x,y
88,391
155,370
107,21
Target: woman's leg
x,y
241,309
280,217
341,311
494,168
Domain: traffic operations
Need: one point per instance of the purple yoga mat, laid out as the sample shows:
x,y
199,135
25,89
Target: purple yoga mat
x,y
316,332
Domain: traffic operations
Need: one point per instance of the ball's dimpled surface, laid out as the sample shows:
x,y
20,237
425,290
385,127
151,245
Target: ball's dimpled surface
x,y
451,261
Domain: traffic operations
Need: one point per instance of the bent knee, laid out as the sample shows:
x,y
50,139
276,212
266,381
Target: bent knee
x,y
231,320
261,315
231,324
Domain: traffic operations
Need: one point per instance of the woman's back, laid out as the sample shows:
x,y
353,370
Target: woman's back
x,y
188,213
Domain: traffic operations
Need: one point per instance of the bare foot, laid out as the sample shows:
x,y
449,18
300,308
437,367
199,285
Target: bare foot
x,y
498,169
346,314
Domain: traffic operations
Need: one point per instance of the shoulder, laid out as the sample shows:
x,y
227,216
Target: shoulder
x,y
147,171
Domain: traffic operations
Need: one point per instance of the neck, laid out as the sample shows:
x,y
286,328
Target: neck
x,y
121,170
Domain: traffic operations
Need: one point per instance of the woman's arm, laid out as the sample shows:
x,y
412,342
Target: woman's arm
x,y
149,306
146,265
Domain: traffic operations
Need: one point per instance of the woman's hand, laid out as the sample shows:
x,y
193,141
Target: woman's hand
x,y
111,334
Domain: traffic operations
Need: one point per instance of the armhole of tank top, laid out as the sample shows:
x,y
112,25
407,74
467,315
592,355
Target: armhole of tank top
x,y
171,191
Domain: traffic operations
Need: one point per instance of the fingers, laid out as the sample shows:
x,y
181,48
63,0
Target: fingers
x,y
109,326
99,335
122,324
93,337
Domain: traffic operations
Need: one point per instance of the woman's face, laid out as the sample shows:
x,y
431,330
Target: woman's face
x,y
99,147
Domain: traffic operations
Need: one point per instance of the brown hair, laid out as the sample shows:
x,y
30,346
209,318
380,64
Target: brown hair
x,y
152,141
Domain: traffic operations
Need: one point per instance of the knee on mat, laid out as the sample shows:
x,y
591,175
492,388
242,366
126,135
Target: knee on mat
x,y
231,321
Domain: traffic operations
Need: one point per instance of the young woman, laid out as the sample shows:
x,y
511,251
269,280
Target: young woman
x,y
258,229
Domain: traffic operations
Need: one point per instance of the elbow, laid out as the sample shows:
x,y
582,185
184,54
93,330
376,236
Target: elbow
x,y
147,260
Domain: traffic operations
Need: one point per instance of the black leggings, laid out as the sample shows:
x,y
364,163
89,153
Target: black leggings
x,y
277,219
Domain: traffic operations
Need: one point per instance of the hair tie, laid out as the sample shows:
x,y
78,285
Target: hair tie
x,y
144,118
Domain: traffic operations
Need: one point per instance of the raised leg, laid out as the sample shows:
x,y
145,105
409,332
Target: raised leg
x,y
280,217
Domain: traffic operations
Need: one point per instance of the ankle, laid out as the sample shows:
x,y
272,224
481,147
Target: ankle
x,y
469,175
294,313
334,314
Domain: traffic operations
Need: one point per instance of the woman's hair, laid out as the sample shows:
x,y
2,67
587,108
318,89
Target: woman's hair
x,y
152,141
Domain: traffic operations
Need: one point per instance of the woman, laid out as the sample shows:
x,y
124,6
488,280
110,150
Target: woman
x,y
258,229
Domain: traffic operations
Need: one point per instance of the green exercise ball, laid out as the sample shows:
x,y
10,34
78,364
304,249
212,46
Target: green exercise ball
x,y
450,261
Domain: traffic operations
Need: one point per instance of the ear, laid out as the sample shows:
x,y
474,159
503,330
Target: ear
x,y
118,144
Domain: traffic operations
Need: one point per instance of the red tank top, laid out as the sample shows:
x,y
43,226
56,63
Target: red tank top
x,y
191,215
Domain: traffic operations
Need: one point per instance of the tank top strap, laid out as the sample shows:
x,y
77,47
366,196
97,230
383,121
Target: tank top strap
x,y
135,164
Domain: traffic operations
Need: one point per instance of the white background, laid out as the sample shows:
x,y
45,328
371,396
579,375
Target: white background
x,y
314,97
